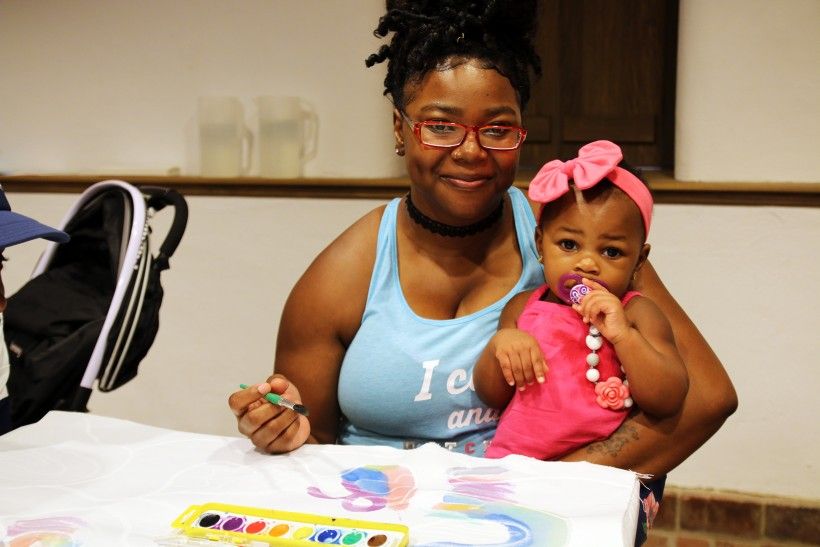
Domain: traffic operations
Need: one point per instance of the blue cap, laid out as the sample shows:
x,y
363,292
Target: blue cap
x,y
16,228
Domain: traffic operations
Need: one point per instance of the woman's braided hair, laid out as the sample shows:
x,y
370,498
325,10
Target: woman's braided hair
x,y
440,34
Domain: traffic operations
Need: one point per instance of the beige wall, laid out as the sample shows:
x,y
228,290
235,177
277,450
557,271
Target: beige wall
x,y
745,274
111,85
748,104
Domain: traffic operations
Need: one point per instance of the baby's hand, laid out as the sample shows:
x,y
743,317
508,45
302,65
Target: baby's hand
x,y
519,357
603,310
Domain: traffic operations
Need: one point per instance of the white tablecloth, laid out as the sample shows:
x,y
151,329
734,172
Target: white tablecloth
x,y
101,481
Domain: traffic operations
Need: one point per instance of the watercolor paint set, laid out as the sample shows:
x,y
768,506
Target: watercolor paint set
x,y
237,525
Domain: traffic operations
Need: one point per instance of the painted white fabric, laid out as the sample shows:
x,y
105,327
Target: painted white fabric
x,y
102,481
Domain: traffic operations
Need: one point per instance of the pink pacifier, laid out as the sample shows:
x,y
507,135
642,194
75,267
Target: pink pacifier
x,y
577,293
573,293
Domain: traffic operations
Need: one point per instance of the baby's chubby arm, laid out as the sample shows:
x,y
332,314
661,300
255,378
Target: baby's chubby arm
x,y
643,340
519,357
512,358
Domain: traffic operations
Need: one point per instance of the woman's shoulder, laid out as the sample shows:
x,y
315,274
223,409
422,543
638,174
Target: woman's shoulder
x,y
334,287
355,247
524,196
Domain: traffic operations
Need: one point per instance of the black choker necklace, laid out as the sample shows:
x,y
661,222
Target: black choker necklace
x,y
452,231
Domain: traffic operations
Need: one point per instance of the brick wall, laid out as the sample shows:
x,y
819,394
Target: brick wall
x,y
704,518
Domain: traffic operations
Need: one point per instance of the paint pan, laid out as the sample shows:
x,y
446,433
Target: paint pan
x,y
242,525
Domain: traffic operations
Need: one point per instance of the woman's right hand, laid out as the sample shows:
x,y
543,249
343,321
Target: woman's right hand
x,y
271,428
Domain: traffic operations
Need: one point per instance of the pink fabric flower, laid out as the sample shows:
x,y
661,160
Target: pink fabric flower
x,y
611,393
650,507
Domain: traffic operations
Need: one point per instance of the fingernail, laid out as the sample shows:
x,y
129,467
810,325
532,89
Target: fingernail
x,y
263,389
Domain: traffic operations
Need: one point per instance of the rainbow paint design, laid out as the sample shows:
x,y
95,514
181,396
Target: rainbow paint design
x,y
373,487
241,525
483,494
479,495
44,532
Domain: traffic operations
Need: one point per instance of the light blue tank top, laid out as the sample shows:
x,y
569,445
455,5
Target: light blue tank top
x,y
407,380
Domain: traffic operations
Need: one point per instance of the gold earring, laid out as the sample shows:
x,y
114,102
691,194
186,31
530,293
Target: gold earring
x,y
540,259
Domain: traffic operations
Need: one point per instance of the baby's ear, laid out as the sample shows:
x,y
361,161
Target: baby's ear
x,y
643,256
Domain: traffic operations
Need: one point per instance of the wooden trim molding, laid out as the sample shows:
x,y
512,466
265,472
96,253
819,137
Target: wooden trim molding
x,y
383,188
664,187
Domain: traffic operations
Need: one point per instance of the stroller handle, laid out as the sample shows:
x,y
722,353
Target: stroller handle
x,y
159,198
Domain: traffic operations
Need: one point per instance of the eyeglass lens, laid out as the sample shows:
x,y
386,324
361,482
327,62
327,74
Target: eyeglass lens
x,y
445,134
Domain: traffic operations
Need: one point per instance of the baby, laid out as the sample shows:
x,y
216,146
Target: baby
x,y
605,346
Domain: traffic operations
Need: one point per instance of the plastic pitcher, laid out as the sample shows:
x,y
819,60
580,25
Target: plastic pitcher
x,y
225,142
287,135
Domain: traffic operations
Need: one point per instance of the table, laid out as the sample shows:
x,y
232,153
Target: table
x,y
82,479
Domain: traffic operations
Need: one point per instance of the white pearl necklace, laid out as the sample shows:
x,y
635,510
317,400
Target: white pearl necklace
x,y
594,342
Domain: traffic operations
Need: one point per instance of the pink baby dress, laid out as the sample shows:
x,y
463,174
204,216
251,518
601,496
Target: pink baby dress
x,y
548,420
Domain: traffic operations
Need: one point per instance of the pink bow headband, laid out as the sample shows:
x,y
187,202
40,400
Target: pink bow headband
x,y
596,161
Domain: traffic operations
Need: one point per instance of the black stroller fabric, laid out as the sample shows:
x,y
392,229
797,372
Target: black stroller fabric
x,y
53,322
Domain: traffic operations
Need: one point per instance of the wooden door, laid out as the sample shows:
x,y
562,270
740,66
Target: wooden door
x,y
608,73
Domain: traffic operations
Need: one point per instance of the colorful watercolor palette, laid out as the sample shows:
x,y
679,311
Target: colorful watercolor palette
x,y
243,525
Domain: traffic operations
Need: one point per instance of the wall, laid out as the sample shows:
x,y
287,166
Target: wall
x,y
111,86
748,91
745,274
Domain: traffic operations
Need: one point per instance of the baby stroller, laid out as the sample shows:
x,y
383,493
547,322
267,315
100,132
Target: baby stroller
x,y
91,308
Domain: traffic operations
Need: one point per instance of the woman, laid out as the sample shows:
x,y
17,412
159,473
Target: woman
x,y
379,336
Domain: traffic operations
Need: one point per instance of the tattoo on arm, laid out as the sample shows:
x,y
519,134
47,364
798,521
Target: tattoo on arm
x,y
613,445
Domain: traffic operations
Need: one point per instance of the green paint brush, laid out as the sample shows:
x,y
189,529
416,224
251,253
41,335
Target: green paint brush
x,y
281,401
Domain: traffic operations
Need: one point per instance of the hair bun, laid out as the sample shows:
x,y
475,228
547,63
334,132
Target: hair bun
x,y
426,33
494,17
